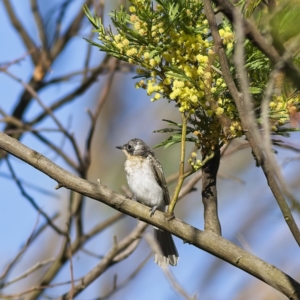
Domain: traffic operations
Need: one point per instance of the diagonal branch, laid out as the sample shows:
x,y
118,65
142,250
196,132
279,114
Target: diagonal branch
x,y
94,117
71,31
37,85
249,126
31,200
21,29
77,92
116,287
39,24
259,40
49,112
63,257
106,262
204,240
32,237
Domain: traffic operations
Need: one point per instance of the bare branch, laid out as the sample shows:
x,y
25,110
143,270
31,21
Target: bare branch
x,y
61,15
50,113
106,261
67,77
127,280
31,200
76,246
101,101
205,240
77,92
165,268
31,270
21,29
259,40
58,151
6,65
249,127
32,237
25,128
72,30
101,226
39,24
209,194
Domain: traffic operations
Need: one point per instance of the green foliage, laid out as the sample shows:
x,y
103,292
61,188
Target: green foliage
x,y
252,4
171,43
175,137
285,21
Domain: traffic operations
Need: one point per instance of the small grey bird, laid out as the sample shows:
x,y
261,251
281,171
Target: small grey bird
x,y
146,180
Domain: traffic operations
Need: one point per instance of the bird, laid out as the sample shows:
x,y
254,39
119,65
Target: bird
x,y
148,185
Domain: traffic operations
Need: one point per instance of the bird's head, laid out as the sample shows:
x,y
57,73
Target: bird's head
x,y
136,147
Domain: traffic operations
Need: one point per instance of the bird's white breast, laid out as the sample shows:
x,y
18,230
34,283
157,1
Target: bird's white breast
x,y
142,182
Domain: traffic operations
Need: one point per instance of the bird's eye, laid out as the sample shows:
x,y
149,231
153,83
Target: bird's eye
x,y
129,147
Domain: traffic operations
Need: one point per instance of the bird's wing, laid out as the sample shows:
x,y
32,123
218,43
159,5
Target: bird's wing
x,y
160,178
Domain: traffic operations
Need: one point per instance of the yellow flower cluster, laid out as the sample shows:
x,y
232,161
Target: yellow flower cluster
x,y
227,36
282,110
179,63
194,162
172,46
189,55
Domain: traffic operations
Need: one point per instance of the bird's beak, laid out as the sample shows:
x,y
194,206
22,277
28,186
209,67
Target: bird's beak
x,y
120,147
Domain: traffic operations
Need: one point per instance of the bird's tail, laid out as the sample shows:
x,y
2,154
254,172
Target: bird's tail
x,y
169,253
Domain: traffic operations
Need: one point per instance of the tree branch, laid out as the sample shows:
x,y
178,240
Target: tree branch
x,y
106,262
39,24
259,40
21,29
249,126
209,194
181,167
205,240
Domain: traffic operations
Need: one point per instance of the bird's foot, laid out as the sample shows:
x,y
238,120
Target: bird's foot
x,y
152,210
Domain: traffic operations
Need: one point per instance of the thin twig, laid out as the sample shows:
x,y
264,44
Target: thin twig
x,y
35,234
259,40
76,246
10,120
6,65
266,141
32,186
71,269
263,154
77,92
205,240
61,15
21,29
92,254
39,24
181,166
94,117
243,113
13,262
165,268
117,287
57,150
107,261
37,266
72,30
31,200
67,77
49,113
